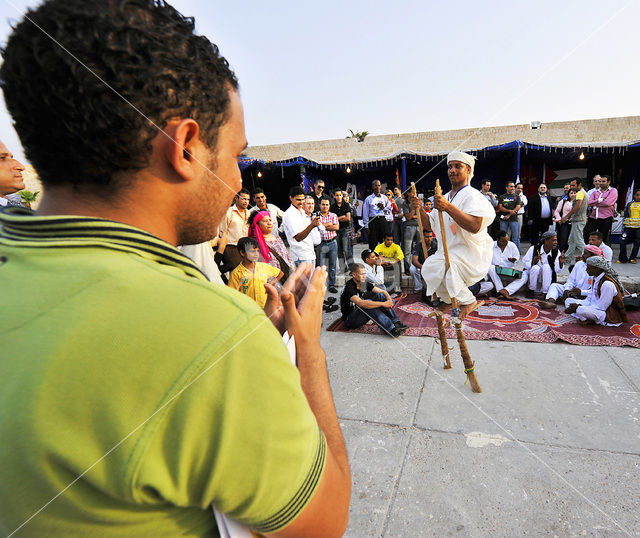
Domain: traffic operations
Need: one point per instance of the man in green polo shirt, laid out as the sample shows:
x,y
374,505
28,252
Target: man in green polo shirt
x,y
133,392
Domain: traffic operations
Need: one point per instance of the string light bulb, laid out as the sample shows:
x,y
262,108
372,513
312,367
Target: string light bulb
x,y
581,156
259,174
348,170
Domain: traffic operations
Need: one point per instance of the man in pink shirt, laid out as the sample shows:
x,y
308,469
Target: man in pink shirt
x,y
603,204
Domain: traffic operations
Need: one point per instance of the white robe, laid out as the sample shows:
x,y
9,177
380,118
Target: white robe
x,y
540,274
469,254
501,258
578,278
594,306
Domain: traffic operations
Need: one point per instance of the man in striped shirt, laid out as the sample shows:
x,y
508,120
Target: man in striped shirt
x,y
328,248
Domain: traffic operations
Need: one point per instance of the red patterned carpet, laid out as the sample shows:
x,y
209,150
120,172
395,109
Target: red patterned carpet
x,y
514,321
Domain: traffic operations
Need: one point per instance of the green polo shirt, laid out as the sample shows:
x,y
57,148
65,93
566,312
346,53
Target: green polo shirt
x,y
134,393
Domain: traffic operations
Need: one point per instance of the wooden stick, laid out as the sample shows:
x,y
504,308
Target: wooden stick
x,y
455,312
444,345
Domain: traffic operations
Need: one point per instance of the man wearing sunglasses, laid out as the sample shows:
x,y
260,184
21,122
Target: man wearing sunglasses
x,y
319,194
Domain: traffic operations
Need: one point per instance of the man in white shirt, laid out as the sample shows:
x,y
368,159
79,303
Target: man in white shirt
x,y
543,261
578,284
10,176
373,266
505,255
308,208
298,227
376,206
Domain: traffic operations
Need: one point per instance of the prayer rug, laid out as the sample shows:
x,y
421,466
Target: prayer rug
x,y
514,321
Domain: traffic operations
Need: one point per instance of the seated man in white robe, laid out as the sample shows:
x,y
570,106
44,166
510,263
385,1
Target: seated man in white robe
x,y
603,305
466,215
543,261
505,255
578,284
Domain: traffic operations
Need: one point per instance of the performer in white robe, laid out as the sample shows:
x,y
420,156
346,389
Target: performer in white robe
x,y
505,254
603,305
578,284
467,213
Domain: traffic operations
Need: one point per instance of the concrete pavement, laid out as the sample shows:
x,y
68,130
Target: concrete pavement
x,y
551,447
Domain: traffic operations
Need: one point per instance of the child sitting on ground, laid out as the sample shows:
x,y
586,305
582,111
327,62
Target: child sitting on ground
x,y
250,276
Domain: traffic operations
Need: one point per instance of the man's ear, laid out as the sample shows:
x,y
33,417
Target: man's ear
x,y
184,153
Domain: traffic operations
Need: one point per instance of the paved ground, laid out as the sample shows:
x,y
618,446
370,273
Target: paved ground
x,y
550,448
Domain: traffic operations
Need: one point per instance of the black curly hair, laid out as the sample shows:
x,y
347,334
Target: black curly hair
x,y
75,129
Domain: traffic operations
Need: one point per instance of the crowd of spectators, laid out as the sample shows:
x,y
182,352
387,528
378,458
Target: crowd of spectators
x,y
321,227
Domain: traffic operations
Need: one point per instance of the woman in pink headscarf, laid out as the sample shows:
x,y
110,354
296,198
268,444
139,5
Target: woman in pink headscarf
x,y
272,249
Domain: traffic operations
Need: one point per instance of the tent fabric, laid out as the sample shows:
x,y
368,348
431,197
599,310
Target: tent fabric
x,y
403,153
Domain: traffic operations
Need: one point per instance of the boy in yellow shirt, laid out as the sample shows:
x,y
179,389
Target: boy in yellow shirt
x,y
391,255
250,276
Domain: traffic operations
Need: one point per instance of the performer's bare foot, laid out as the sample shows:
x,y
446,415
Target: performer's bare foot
x,y
466,309
504,294
585,322
443,307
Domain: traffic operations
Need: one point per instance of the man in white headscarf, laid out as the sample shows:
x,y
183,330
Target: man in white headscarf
x,y
467,213
604,304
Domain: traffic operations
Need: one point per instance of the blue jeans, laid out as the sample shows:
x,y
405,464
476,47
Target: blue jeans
x,y
410,234
345,248
328,256
300,262
511,227
385,318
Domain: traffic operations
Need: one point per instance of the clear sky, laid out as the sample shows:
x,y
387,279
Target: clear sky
x,y
314,70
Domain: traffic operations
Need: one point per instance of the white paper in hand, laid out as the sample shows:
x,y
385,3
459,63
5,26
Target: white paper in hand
x,y
230,528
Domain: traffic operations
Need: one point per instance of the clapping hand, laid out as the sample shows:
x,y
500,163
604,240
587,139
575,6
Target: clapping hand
x,y
296,285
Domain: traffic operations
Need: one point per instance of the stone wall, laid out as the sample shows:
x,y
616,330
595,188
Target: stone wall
x,y
580,133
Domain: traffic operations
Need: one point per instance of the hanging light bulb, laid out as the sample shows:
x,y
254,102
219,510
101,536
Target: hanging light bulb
x,y
259,174
348,170
581,156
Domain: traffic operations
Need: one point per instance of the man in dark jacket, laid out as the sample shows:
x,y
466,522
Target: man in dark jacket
x,y
540,210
